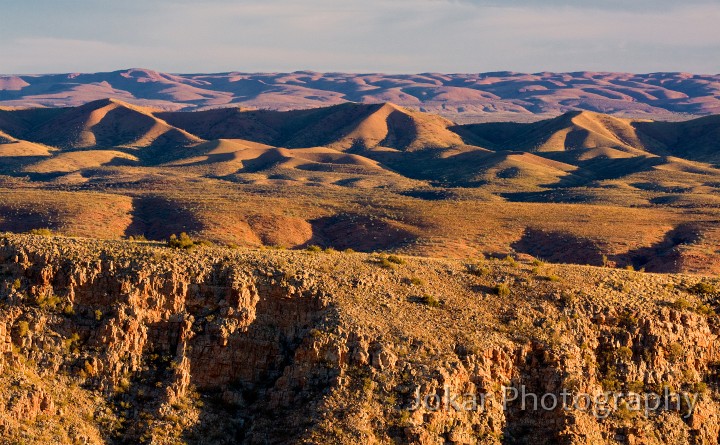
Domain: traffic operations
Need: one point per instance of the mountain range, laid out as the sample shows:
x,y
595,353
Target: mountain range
x,y
465,97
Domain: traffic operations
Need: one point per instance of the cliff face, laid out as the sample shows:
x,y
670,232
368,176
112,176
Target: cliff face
x,y
112,342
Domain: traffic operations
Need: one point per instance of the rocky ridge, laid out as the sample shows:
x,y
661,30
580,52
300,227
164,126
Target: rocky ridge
x,y
116,342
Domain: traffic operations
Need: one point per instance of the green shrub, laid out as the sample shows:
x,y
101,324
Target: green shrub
x,y
313,248
69,310
511,261
429,300
180,242
41,232
704,309
552,277
675,352
330,250
680,304
702,288
48,302
415,281
502,290
23,328
478,270
348,250
395,259
16,284
624,353
387,264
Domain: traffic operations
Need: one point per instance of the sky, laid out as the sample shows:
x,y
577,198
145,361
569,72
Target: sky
x,y
390,36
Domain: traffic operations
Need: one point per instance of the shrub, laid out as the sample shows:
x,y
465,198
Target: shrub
x,y
41,232
429,300
636,386
98,314
23,328
48,302
71,343
502,290
511,261
415,281
477,269
624,353
552,277
702,288
699,388
680,304
180,242
314,248
69,310
537,263
330,250
395,259
387,264
630,268
348,250
704,309
16,284
675,352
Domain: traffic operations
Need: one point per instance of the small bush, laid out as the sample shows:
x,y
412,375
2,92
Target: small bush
x,y
503,290
675,352
69,310
624,353
330,250
680,304
48,302
348,250
180,242
636,386
704,309
387,264
23,328
395,259
415,281
552,277
478,270
16,284
313,249
699,388
429,300
41,232
537,263
702,288
98,314
511,261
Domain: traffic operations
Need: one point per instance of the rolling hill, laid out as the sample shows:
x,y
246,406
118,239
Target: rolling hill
x,y
494,96
370,177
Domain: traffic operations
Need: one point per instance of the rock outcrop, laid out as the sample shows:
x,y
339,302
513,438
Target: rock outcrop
x,y
120,342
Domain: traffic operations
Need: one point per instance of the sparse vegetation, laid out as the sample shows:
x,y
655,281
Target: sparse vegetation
x,y
502,290
429,300
183,241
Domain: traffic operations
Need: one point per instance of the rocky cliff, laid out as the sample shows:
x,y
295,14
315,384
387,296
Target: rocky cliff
x,y
121,342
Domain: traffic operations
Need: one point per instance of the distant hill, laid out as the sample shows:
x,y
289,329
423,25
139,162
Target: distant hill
x,y
370,177
464,97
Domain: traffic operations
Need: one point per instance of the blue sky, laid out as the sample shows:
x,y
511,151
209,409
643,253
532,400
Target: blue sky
x,y
393,36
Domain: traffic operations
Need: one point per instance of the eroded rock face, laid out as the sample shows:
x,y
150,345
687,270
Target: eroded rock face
x,y
140,344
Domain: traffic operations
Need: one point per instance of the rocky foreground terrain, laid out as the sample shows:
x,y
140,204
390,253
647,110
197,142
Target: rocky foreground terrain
x,y
137,342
